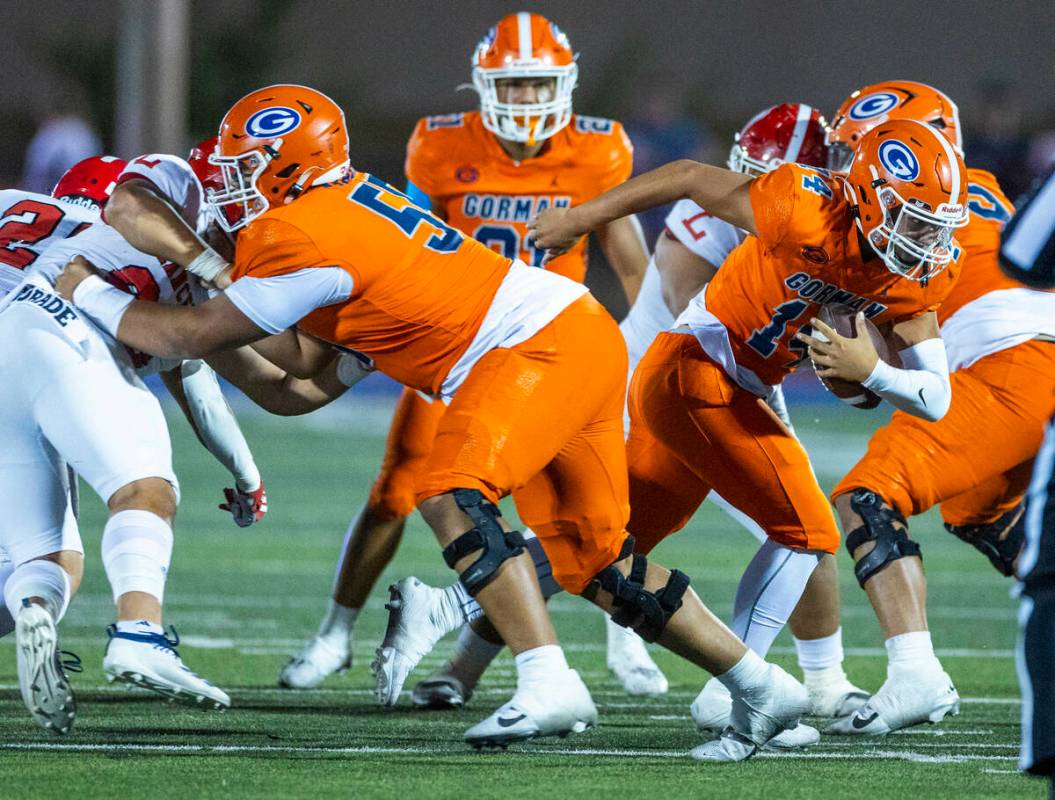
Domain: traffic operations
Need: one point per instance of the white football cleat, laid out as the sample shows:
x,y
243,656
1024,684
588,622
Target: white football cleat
x,y
629,661
903,700
838,699
557,709
150,661
440,692
45,688
710,710
775,704
418,617
320,658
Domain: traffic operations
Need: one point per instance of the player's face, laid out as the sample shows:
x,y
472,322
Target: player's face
x,y
526,91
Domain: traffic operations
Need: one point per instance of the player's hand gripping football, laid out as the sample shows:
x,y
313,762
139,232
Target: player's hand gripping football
x,y
71,276
245,507
849,358
556,230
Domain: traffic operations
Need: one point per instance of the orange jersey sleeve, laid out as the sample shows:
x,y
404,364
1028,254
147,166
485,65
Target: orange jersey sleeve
x,y
979,242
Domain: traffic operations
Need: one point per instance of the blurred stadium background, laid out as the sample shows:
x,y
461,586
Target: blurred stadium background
x,y
130,77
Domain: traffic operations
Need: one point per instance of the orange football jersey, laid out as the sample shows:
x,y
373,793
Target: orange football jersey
x,y
980,241
421,288
807,253
476,187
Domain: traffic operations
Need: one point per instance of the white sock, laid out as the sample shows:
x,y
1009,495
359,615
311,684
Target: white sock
x,y
744,674
911,651
769,591
459,596
820,654
138,626
40,578
137,549
540,665
473,654
338,622
7,622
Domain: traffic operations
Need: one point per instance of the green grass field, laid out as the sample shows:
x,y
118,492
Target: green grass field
x,y
244,600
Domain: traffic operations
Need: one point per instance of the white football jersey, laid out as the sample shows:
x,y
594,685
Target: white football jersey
x,y
129,269
29,224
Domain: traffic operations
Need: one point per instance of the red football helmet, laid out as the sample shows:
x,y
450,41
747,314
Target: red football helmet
x,y
90,181
908,187
882,102
525,46
274,144
790,132
207,172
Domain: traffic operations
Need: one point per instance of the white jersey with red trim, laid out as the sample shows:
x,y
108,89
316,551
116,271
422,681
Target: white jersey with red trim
x,y
705,236
125,267
29,224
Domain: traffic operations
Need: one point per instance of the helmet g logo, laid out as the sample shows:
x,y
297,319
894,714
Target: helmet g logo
x,y
898,160
872,105
271,122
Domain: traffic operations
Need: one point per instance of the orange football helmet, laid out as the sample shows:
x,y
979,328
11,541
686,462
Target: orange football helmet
x,y
882,102
525,46
908,186
274,144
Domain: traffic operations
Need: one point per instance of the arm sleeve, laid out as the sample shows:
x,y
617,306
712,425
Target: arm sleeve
x,y
278,302
173,179
216,425
922,388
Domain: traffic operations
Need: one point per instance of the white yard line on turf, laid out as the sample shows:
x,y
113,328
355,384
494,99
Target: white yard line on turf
x,y
896,755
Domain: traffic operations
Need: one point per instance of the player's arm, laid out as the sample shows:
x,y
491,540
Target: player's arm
x,y
147,220
921,387
295,352
623,244
722,192
279,392
682,273
194,386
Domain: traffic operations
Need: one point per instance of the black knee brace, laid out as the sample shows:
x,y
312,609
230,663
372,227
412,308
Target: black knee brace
x,y
496,545
890,543
635,607
1000,541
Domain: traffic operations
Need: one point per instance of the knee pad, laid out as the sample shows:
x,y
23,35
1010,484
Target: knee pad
x,y
495,545
1000,541
635,607
543,568
878,520
137,550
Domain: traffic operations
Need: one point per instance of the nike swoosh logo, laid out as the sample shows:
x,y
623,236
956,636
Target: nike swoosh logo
x,y
921,398
858,722
505,723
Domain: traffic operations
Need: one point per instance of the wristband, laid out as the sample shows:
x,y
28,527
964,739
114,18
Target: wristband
x,y
209,265
352,368
105,304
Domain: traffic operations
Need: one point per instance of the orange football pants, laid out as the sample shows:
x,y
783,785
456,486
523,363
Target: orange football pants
x,y
406,450
543,421
977,459
692,430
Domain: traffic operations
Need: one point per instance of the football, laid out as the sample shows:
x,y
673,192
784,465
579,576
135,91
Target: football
x,y
844,320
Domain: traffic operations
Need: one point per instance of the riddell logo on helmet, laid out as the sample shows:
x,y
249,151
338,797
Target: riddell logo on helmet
x,y
873,105
271,122
899,160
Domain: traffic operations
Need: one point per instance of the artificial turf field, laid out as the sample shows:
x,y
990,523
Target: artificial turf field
x,y
244,600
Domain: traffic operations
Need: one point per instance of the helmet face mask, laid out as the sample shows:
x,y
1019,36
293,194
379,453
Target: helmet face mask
x,y
524,51
741,161
912,241
240,201
840,155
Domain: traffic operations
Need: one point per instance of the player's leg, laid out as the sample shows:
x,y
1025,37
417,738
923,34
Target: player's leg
x,y
43,558
370,542
110,429
992,426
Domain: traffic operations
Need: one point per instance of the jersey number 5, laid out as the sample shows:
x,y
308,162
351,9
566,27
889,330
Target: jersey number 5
x,y
398,209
